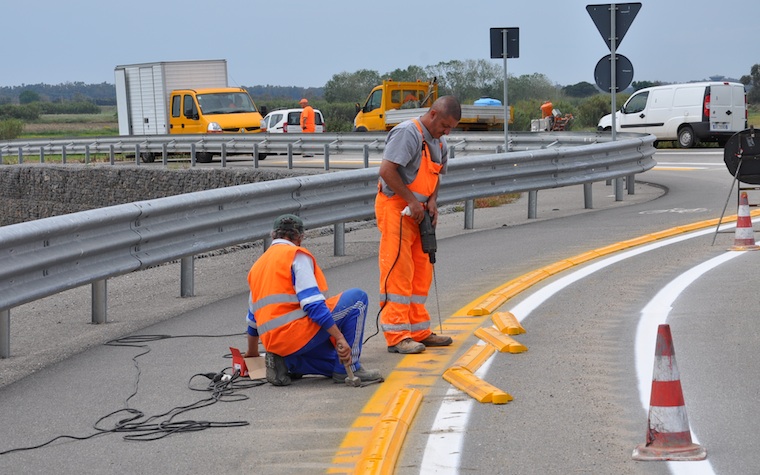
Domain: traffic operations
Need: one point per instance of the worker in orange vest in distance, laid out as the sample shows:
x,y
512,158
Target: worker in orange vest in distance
x,y
308,125
302,331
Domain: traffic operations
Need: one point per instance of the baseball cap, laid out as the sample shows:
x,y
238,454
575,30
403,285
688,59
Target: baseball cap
x,y
288,221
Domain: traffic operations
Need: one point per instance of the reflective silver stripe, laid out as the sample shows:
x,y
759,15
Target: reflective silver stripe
x,y
396,328
252,324
270,299
281,320
421,326
421,299
396,298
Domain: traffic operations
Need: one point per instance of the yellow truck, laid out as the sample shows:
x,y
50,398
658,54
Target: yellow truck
x,y
393,102
182,97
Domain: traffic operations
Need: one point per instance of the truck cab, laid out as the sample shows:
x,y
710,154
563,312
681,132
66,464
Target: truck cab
x,y
213,110
392,95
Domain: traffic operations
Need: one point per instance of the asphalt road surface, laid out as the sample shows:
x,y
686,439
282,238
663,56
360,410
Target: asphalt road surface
x,y
580,391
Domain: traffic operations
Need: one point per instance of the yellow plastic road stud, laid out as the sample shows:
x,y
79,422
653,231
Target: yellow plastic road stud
x,y
507,323
501,397
502,342
475,357
480,390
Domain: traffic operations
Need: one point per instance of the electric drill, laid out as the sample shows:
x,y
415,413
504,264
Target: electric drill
x,y
427,235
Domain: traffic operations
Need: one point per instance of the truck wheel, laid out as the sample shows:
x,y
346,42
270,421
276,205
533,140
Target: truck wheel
x,y
686,137
148,157
262,156
204,157
360,129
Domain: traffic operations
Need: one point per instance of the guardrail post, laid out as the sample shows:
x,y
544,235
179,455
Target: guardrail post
x,y
532,204
5,333
224,155
111,154
20,156
99,301
1,157
42,154
327,156
187,277
339,239
137,154
192,154
86,154
630,182
619,189
588,197
366,156
290,156
469,214
255,155
164,154
63,154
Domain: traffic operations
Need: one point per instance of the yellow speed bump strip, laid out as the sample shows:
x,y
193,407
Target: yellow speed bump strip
x,y
412,371
480,390
475,357
507,323
503,343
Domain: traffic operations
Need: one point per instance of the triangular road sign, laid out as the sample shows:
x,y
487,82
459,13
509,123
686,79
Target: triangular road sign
x,y
624,15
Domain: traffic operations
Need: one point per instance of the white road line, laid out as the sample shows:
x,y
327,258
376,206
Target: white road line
x,y
446,440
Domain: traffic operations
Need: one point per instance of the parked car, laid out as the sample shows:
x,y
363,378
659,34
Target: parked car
x,y
288,121
687,113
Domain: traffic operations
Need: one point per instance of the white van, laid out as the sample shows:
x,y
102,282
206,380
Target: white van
x,y
688,113
288,121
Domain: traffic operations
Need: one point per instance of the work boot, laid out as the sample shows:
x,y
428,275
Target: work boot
x,y
437,340
277,370
407,347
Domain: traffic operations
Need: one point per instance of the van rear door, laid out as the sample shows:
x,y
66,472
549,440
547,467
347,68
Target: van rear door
x,y
727,108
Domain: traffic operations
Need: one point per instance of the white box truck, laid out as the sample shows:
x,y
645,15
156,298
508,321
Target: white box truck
x,y
182,97
687,113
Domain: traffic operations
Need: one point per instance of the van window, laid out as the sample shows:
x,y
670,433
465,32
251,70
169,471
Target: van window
x,y
636,103
374,101
176,108
189,109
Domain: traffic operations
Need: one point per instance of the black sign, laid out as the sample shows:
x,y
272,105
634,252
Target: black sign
x,y
623,73
497,42
624,15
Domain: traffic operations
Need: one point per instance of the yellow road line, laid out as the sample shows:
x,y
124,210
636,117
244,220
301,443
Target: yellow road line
x,y
394,403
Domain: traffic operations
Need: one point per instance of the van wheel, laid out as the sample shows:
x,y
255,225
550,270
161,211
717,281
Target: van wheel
x,y
686,137
148,157
204,157
360,129
262,156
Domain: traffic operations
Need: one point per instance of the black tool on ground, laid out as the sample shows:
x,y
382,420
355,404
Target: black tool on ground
x,y
427,235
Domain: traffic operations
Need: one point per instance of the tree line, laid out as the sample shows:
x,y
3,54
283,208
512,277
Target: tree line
x,y
468,80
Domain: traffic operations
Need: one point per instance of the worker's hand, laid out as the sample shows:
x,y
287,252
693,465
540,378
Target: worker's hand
x,y
432,208
344,351
417,211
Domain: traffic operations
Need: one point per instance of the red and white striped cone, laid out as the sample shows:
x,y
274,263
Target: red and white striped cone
x,y
744,237
668,435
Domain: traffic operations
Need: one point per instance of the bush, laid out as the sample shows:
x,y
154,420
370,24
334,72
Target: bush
x,y
10,129
26,113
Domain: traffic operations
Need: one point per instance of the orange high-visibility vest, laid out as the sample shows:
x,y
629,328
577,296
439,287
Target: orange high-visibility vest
x,y
308,124
283,326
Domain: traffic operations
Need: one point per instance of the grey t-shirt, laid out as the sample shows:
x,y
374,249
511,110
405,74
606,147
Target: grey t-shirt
x,y
403,146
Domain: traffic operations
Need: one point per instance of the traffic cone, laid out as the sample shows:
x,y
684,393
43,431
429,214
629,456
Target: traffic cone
x,y
744,238
668,434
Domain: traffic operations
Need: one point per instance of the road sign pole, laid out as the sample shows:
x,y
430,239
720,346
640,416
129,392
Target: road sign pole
x,y
506,101
613,70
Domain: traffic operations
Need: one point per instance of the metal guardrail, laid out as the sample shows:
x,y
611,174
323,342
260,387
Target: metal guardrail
x,y
43,257
466,143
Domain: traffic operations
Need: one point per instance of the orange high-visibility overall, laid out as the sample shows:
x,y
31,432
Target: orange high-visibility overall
x,y
283,326
405,271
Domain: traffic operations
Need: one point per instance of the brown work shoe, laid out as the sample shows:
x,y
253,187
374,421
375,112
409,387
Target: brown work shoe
x,y
437,340
407,347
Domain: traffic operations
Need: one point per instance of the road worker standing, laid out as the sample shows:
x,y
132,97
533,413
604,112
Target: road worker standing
x,y
415,154
308,124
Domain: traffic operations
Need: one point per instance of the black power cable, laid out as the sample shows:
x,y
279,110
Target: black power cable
x,y
134,423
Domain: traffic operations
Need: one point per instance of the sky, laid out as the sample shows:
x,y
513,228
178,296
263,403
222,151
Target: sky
x,y
304,43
